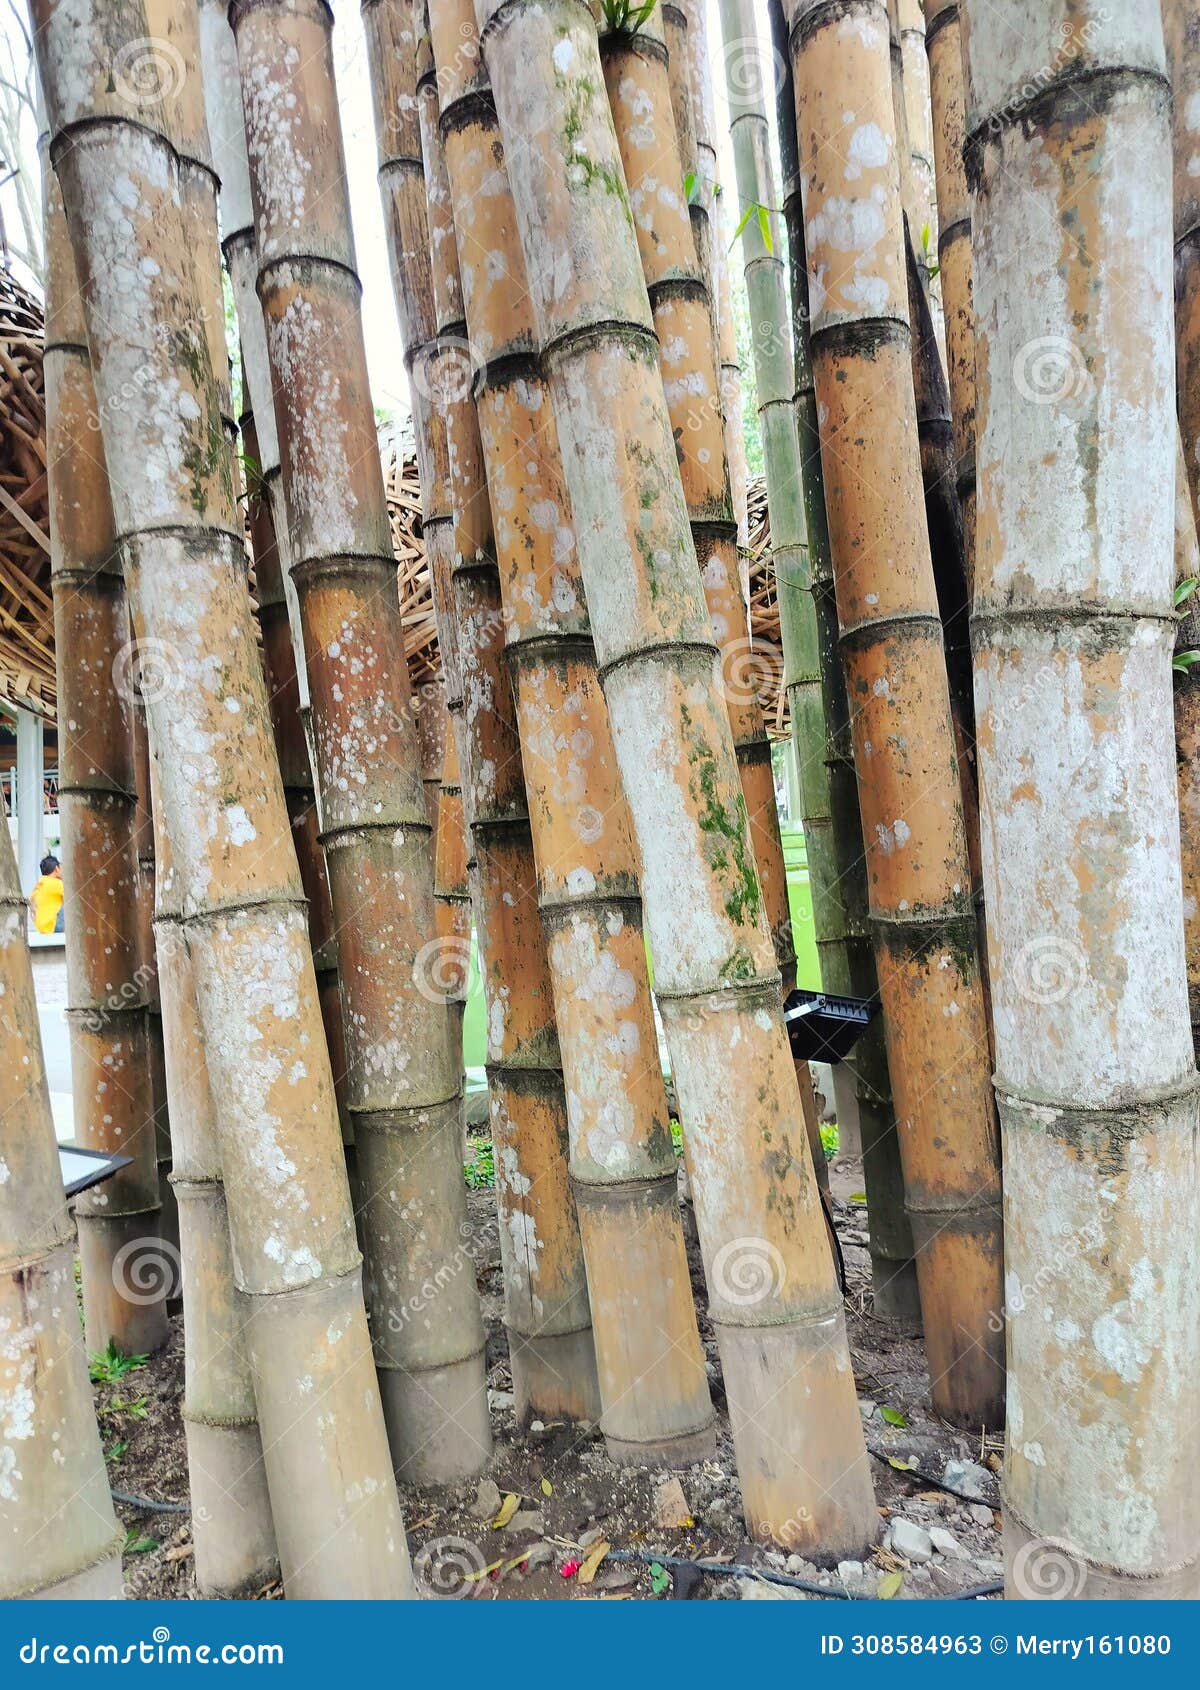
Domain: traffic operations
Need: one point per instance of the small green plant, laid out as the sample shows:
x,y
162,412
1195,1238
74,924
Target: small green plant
x,y
480,1171
677,1138
137,1409
829,1139
626,17
136,1544
1183,660
111,1365
691,187
114,1452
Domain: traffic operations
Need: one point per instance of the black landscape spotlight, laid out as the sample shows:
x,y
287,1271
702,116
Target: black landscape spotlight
x,y
84,1168
823,1027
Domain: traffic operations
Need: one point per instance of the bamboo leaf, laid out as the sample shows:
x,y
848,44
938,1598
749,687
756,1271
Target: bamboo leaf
x,y
592,1560
690,184
1183,660
902,1466
889,1586
483,1572
547,1488
1184,591
893,1417
660,1578
507,1509
746,216
764,229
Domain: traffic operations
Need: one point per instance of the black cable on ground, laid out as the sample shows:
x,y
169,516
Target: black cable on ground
x,y
148,1505
928,1479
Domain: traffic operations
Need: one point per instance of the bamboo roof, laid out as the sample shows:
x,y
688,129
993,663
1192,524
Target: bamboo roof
x,y
26,620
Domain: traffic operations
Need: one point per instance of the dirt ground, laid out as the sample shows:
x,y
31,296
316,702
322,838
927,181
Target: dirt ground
x,y
571,1501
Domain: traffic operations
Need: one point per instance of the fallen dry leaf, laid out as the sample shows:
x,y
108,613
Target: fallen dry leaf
x,y
507,1509
596,1554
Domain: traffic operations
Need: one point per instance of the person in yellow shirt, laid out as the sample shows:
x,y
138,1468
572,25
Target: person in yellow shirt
x,y
46,899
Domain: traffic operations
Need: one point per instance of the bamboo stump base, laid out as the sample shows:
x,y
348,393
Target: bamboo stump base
x,y
228,1486
440,1415
554,1376
1039,1569
894,1290
773,1376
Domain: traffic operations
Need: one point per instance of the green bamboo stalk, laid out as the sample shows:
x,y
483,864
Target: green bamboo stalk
x,y
816,686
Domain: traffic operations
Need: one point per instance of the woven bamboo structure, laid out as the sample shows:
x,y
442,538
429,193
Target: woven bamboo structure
x,y
26,616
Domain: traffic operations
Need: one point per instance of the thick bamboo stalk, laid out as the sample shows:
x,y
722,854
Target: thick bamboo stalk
x,y
635,70
653,1389
403,1086
1187,731
1073,637
336,1511
168,1219
232,1525
433,729
1181,29
943,43
772,1295
817,692
551,1344
891,638
278,608
699,80
125,1269
923,212
58,1534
